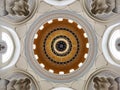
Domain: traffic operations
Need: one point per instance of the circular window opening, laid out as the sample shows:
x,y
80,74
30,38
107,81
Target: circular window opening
x,y
9,47
59,2
61,46
111,44
6,47
62,88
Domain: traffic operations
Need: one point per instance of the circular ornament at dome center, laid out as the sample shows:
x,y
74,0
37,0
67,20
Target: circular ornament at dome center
x,y
61,46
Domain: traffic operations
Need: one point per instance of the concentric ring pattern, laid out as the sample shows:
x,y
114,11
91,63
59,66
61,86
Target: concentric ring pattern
x,y
63,46
60,46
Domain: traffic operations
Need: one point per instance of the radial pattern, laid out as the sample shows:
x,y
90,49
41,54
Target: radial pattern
x,y
60,46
